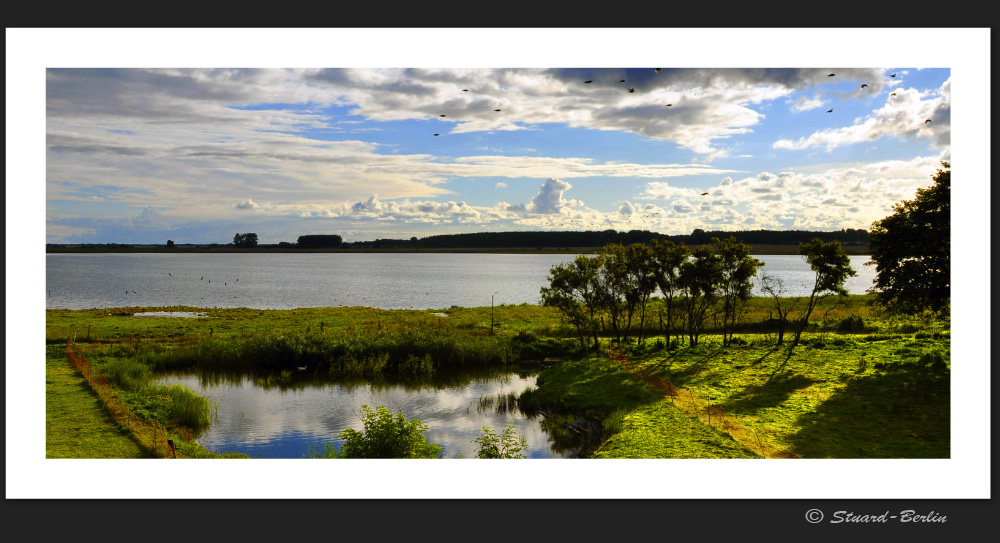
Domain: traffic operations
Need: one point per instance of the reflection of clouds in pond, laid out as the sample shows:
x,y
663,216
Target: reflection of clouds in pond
x,y
281,423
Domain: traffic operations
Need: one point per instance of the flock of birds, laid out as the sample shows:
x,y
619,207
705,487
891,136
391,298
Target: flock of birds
x,y
135,292
657,70
630,89
865,86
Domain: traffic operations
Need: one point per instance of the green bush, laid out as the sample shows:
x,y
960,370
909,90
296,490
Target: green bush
x,y
508,445
385,435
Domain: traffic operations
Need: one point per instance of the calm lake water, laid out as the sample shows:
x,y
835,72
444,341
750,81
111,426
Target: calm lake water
x,y
289,281
282,416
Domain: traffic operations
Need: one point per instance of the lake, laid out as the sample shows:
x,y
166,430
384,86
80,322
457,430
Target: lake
x,y
378,280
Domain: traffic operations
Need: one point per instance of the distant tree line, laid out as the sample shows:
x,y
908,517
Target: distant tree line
x,y
502,240
320,241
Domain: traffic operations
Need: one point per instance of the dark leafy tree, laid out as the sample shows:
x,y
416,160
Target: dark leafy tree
x,y
911,250
667,259
573,289
736,272
245,240
698,280
629,282
319,241
832,267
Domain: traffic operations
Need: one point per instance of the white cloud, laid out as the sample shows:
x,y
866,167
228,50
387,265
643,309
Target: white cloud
x,y
804,103
247,204
903,115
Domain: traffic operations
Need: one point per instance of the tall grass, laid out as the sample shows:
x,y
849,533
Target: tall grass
x,y
362,354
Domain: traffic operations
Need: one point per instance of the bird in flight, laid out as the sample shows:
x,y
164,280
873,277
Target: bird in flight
x,y
621,80
589,81
631,90
668,105
465,90
444,115
496,110
927,121
863,85
893,94
829,111
830,75
437,134
657,70
704,194
893,75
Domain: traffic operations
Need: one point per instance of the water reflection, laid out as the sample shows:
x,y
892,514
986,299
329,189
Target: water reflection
x,y
282,414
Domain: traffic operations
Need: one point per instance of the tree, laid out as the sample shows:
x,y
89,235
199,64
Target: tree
x,y
911,250
385,435
774,287
320,241
170,244
667,259
626,284
573,289
736,271
832,267
245,240
698,279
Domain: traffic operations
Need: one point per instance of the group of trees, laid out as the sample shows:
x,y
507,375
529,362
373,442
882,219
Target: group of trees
x,y
245,240
612,290
910,249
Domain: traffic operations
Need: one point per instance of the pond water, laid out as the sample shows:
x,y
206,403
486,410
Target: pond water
x,y
282,415
378,280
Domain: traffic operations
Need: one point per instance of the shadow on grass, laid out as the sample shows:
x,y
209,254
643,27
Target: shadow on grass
x,y
903,412
770,394
698,360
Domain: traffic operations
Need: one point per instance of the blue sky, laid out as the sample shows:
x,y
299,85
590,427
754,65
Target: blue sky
x,y
196,154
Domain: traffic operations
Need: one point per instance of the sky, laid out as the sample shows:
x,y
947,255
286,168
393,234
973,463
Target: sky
x,y
194,135
196,155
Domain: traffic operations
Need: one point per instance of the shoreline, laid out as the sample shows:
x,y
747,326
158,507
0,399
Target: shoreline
x,y
760,249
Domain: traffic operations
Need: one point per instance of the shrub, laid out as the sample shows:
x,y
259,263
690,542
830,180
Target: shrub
x,y
386,435
508,445
853,323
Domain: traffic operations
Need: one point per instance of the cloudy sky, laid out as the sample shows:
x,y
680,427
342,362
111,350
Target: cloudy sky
x,y
142,155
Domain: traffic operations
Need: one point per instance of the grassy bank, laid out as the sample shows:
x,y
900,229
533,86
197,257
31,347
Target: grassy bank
x,y
860,385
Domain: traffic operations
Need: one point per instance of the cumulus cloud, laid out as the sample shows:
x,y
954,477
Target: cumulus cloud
x,y
247,204
550,198
501,185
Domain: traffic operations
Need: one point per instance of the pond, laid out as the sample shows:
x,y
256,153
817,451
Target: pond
x,y
283,415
